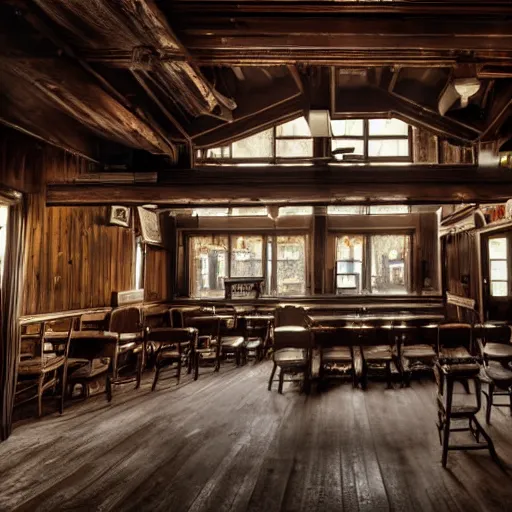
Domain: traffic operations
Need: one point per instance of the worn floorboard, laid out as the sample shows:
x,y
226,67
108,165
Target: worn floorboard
x,y
224,443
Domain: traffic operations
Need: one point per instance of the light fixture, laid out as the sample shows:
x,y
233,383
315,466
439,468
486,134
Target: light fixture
x,y
319,122
465,88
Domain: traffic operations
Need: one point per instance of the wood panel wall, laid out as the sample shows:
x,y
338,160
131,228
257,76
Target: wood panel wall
x,y
74,259
158,274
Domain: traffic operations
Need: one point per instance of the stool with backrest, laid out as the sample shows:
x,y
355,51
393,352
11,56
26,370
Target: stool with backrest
x,y
448,372
292,354
129,356
174,348
43,363
455,342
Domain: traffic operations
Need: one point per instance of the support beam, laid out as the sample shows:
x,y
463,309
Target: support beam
x,y
499,111
432,184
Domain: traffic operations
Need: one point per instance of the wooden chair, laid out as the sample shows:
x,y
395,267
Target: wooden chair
x,y
257,334
43,365
129,356
90,356
231,343
174,346
292,354
208,347
377,350
493,343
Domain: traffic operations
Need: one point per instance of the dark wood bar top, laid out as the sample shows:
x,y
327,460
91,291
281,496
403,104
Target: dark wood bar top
x,y
398,317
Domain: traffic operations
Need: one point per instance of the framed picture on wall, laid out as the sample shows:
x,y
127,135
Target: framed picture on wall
x,y
150,226
120,216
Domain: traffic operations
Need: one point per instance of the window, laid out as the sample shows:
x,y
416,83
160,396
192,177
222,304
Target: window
x,y
372,264
280,260
387,209
139,264
281,142
372,139
243,211
296,210
498,266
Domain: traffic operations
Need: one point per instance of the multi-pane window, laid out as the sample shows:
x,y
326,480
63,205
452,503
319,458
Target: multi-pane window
x,y
386,209
242,211
214,258
498,266
375,140
372,263
281,142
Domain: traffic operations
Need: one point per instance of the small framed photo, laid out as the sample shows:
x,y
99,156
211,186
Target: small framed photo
x,y
120,216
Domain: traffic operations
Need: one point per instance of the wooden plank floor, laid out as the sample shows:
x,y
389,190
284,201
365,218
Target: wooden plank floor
x,y
226,443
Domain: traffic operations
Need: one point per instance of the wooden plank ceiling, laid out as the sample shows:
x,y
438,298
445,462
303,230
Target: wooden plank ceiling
x,y
164,77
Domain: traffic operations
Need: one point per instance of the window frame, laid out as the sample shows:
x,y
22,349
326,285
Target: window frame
x,y
138,242
272,160
266,236
507,261
366,138
366,270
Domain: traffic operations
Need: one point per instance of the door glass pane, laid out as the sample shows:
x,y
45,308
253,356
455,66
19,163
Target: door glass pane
x,y
389,263
208,265
499,289
499,271
498,248
291,265
349,264
246,256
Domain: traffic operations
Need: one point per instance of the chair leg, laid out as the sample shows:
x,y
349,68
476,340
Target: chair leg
x,y
272,373
40,396
178,372
108,388
388,374
196,366
281,381
510,398
155,380
140,362
489,396
447,421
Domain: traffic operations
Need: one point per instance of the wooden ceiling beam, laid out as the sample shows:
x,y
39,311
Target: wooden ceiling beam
x,y
371,101
328,184
247,126
303,7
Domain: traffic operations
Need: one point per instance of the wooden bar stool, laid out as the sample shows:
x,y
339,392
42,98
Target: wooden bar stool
x,y
447,373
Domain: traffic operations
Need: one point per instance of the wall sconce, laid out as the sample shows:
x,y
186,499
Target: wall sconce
x,y
319,122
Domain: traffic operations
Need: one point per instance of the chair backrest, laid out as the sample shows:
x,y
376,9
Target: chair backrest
x,y
454,335
125,320
289,315
172,335
292,336
205,325
93,344
375,335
